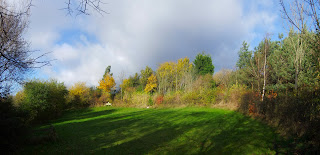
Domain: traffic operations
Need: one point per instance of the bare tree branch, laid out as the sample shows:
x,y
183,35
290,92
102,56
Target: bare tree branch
x,y
15,57
84,7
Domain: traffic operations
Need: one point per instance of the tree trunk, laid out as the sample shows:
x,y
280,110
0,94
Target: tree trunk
x,y
176,83
296,80
264,69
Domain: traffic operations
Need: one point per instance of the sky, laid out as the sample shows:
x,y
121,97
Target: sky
x,y
135,34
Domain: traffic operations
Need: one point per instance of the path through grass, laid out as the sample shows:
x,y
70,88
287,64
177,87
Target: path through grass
x,y
108,130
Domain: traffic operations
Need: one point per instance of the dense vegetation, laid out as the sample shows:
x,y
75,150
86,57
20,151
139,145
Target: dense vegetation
x,y
276,82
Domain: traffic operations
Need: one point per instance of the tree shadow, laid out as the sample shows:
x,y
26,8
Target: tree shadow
x,y
163,131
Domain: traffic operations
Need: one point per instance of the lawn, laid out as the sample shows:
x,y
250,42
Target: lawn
x,y
106,130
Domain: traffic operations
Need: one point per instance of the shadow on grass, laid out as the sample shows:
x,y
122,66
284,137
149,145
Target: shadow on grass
x,y
83,114
183,131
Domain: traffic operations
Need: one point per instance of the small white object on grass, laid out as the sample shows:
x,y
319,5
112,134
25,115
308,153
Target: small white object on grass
x,y
108,104
147,107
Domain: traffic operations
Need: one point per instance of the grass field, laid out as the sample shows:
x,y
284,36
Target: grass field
x,y
108,130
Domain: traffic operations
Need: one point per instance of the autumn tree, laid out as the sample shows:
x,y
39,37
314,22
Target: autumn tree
x,y
144,75
182,69
166,75
79,94
203,64
107,83
151,84
126,83
174,75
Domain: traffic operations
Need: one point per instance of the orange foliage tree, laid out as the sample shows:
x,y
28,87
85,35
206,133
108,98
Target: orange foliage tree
x,y
107,83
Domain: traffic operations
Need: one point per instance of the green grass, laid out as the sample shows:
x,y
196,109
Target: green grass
x,y
108,130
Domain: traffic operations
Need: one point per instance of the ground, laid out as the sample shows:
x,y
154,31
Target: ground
x,y
107,130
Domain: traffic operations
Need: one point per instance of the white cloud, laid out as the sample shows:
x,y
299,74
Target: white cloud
x,y
143,32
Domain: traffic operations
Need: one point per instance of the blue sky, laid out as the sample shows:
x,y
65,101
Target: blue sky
x,y
142,32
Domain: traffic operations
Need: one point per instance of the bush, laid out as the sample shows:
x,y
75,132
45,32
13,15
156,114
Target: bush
x,y
296,116
44,99
191,98
79,95
159,99
150,101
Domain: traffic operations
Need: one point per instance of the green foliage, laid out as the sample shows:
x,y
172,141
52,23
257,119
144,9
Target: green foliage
x,y
203,64
107,72
244,56
144,75
291,81
150,101
44,99
134,81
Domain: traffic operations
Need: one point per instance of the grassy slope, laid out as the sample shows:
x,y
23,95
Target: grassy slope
x,y
158,131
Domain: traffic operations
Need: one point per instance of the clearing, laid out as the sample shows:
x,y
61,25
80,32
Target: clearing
x,y
106,130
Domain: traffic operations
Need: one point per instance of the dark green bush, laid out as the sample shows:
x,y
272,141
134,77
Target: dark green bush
x,y
44,99
297,116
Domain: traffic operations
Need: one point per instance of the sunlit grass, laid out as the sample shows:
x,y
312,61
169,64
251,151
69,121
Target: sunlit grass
x,y
108,130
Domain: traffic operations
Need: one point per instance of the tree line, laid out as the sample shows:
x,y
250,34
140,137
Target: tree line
x,y
277,81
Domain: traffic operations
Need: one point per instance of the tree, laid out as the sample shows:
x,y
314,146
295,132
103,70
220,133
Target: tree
x,y
223,77
78,7
166,76
44,99
244,56
107,82
246,66
182,68
265,50
126,83
151,84
135,80
145,74
79,94
203,64
297,13
107,71
121,78
15,57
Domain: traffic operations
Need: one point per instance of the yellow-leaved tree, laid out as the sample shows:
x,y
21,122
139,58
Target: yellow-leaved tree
x,y
79,94
79,88
107,83
126,83
151,84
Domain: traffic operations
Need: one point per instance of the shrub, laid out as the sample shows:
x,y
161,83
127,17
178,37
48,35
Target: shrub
x,y
44,99
150,101
191,98
139,99
79,95
159,99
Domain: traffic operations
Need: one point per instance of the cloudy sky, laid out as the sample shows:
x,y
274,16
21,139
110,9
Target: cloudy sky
x,y
143,32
